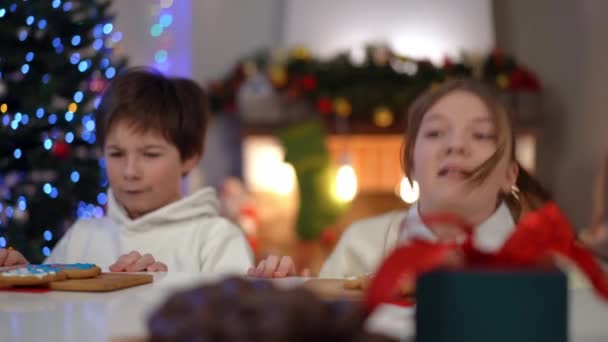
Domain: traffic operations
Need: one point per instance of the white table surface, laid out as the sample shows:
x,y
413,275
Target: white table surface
x,y
79,316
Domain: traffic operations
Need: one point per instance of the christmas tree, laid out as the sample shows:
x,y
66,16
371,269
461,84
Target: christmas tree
x,y
55,59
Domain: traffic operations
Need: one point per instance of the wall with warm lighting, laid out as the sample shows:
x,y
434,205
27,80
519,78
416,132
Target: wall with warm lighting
x,y
366,163
225,30
157,33
565,43
424,29
205,37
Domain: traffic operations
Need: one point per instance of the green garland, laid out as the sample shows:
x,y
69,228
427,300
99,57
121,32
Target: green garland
x,y
371,90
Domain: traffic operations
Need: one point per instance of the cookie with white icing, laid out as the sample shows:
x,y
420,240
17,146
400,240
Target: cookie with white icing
x,y
31,275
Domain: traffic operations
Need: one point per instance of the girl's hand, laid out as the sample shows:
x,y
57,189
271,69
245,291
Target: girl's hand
x,y
11,257
135,262
276,267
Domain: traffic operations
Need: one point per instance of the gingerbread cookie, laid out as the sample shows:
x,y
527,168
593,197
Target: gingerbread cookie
x,y
407,285
31,275
357,283
77,271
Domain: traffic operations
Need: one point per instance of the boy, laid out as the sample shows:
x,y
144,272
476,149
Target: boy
x,y
151,129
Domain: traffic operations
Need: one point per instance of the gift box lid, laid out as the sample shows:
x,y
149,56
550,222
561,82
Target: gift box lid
x,y
492,305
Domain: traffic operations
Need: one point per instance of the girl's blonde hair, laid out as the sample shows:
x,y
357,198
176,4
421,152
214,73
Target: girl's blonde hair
x,y
530,194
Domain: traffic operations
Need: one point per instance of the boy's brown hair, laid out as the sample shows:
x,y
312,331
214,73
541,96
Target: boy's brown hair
x,y
531,194
176,108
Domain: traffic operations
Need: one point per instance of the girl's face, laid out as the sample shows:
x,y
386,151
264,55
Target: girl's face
x,y
457,135
144,169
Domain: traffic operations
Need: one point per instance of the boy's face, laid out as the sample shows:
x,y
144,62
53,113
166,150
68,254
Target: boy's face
x,y
456,136
144,169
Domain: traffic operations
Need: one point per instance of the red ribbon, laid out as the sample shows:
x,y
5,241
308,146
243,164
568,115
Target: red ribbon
x,y
539,237
411,260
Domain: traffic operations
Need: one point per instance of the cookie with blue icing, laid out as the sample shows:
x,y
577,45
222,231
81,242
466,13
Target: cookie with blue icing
x,y
30,275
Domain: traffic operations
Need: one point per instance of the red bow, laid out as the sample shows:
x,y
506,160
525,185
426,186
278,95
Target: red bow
x,y
540,237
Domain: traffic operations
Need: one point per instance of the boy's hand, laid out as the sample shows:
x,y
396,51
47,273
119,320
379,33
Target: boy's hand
x,y
11,257
275,267
135,262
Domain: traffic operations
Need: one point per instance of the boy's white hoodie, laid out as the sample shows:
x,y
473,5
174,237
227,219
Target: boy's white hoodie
x,y
187,235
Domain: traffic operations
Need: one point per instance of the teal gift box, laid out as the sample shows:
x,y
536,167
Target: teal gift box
x,y
490,305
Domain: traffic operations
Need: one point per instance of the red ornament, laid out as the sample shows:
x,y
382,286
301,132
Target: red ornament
x,y
61,150
425,64
329,237
516,79
250,211
230,106
324,105
522,78
498,56
448,64
98,85
239,72
253,243
531,82
215,88
308,82
293,92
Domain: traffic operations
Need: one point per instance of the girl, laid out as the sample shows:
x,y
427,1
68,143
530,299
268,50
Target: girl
x,y
459,147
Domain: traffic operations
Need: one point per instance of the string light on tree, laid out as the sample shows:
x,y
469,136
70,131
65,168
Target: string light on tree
x,y
163,19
